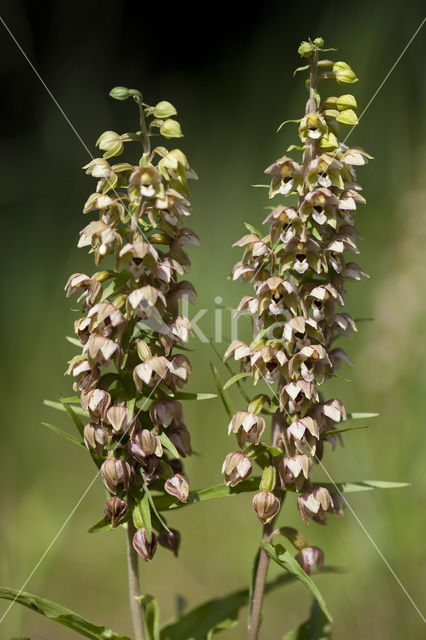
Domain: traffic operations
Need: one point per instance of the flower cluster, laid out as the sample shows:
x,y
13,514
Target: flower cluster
x,y
299,270
131,367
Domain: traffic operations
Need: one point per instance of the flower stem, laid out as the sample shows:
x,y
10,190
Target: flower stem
x,y
134,592
259,587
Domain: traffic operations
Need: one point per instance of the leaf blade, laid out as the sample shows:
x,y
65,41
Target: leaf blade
x,y
61,614
64,434
285,560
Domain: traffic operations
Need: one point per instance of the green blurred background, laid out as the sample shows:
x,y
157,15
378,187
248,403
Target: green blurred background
x,y
228,68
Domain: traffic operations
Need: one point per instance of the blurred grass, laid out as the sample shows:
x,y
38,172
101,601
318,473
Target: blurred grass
x,y
230,103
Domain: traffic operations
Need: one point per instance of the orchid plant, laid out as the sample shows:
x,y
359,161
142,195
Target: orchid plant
x,y
131,364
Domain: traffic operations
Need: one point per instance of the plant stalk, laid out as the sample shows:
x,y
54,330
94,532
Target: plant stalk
x,y
259,587
134,590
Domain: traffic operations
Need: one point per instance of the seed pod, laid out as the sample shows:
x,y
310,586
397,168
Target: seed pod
x,y
310,557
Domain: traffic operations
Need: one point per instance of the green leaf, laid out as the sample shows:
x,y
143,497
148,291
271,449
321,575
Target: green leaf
x,y
364,485
165,502
238,376
145,512
317,627
252,229
223,395
64,434
186,395
220,613
60,406
102,525
168,444
154,507
151,616
333,432
306,66
285,560
74,417
287,122
357,416
73,341
60,614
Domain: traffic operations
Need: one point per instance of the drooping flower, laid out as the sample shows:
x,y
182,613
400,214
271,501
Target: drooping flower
x,y
130,328
299,268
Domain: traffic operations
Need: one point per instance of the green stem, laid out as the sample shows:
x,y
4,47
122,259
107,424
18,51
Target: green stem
x,y
259,587
134,590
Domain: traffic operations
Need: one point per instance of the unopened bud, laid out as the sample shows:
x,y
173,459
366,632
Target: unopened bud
x,y
181,439
295,537
343,73
95,437
98,403
119,93
116,510
144,352
115,472
269,478
177,486
236,467
257,404
117,418
143,444
266,506
145,547
171,540
310,557
102,276
165,412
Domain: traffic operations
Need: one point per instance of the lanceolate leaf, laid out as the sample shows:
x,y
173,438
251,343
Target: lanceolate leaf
x,y
285,560
224,396
236,378
60,614
334,432
102,525
203,622
64,434
186,395
357,416
364,485
218,491
317,627
151,616
168,444
61,407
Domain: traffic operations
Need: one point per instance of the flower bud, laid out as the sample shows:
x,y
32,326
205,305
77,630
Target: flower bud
x,y
178,486
310,557
266,506
171,540
181,439
117,418
115,472
295,537
165,412
236,467
119,93
144,352
150,466
143,444
257,404
98,403
343,73
269,478
116,510
145,548
95,437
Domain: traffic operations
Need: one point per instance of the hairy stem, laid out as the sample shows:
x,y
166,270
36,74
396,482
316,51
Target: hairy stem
x,y
134,593
259,588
